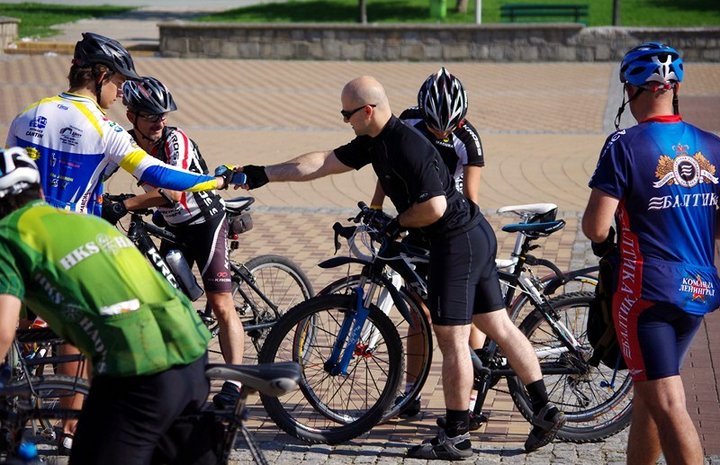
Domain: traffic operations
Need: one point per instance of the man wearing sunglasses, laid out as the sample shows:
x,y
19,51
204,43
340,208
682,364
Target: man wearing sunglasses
x,y
462,252
197,218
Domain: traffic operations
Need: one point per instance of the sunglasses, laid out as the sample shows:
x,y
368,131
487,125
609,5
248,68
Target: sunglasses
x,y
153,118
348,113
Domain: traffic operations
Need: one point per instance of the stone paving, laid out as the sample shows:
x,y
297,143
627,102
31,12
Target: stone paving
x,y
541,126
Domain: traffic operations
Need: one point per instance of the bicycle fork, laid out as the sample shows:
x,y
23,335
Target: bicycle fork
x,y
350,329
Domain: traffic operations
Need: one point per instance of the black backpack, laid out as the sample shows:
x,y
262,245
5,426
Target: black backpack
x,y
600,326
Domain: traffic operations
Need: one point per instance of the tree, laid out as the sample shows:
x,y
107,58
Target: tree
x,y
362,13
461,6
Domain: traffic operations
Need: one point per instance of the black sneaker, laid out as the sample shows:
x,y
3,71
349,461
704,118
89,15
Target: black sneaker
x,y
410,409
545,426
442,447
476,421
227,397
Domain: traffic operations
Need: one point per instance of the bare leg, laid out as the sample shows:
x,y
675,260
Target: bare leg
x,y
517,348
232,336
663,423
457,374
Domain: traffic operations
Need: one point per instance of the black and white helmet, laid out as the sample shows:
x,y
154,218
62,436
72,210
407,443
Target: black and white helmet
x,y
442,101
148,95
17,171
94,48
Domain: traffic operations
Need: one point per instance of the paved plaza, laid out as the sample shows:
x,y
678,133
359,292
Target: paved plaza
x,y
541,125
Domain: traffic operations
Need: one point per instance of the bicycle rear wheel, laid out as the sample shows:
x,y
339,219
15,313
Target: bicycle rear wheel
x,y
37,402
597,402
282,285
416,339
333,408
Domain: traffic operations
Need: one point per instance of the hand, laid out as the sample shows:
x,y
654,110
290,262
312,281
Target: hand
x,y
600,249
392,229
112,212
225,172
256,176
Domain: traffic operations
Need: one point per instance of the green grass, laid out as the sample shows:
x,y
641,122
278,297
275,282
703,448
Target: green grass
x,y
37,19
674,13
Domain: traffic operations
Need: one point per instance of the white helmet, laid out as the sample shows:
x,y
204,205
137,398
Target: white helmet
x,y
17,171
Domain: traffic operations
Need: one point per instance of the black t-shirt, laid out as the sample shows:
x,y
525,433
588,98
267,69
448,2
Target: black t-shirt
x,y
410,171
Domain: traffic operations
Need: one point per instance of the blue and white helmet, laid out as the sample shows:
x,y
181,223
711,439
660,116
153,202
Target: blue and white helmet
x,y
17,171
651,62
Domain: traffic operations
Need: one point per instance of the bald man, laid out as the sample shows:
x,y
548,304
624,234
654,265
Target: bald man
x,y
463,286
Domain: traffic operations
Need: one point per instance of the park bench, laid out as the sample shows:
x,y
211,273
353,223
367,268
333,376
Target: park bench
x,y
528,12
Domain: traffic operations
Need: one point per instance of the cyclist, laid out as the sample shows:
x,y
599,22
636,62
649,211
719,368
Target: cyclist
x,y
198,219
440,117
74,142
658,181
147,346
423,191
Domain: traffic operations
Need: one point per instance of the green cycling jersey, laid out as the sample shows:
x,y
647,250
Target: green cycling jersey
x,y
97,291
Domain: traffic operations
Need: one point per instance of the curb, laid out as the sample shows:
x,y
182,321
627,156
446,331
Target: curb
x,y
68,48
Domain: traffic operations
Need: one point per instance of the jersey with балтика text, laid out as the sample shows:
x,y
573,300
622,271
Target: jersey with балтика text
x,y
73,142
462,147
96,290
664,172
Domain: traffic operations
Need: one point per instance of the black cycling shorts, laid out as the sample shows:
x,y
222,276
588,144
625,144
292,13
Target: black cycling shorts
x,y
137,419
463,279
206,245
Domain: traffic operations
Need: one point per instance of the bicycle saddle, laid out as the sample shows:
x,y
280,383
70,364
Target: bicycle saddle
x,y
238,204
528,209
272,379
535,229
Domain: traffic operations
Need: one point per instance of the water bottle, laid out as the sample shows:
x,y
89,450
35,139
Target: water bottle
x,y
183,273
27,454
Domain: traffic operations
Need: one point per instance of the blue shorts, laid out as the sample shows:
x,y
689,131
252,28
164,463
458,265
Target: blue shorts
x,y
463,279
653,337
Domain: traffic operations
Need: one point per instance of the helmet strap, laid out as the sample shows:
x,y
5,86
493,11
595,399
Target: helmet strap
x,y
621,109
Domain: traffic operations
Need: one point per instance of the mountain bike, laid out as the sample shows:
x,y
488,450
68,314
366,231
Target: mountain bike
x,y
562,354
36,400
263,288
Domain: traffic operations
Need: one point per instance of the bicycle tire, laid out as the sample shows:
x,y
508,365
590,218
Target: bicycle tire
x,y
306,335
422,330
596,404
281,280
45,394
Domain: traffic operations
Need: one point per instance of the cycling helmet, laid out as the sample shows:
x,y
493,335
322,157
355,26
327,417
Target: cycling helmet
x,y
148,95
17,171
442,101
651,62
94,48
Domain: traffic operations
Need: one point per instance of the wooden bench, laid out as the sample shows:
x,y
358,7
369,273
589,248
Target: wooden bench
x,y
514,12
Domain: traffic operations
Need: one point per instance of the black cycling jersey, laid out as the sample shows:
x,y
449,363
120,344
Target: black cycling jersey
x,y
411,171
462,147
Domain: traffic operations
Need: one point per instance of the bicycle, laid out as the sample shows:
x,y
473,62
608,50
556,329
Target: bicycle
x,y
263,288
399,257
37,399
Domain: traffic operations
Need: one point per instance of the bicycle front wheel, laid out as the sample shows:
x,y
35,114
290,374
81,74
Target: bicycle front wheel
x,y
332,408
36,401
597,401
416,338
264,288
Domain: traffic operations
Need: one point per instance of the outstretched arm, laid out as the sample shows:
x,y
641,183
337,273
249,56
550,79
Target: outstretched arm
x,y
306,167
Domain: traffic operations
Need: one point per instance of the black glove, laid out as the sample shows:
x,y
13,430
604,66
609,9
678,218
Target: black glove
x,y
226,172
256,176
600,249
113,211
392,229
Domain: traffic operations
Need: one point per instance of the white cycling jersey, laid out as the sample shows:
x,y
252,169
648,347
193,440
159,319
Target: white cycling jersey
x,y
177,149
73,142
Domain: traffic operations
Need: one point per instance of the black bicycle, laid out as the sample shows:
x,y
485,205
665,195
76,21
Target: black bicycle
x,y
596,399
263,288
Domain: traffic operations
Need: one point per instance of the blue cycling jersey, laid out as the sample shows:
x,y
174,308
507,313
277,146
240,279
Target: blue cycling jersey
x,y
663,171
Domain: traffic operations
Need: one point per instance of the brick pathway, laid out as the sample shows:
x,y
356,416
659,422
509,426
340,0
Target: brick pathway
x,y
541,125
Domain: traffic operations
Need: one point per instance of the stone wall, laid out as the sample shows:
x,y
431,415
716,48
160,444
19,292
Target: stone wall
x,y
8,31
431,42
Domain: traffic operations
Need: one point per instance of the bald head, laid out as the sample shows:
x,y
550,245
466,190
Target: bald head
x,y
366,90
